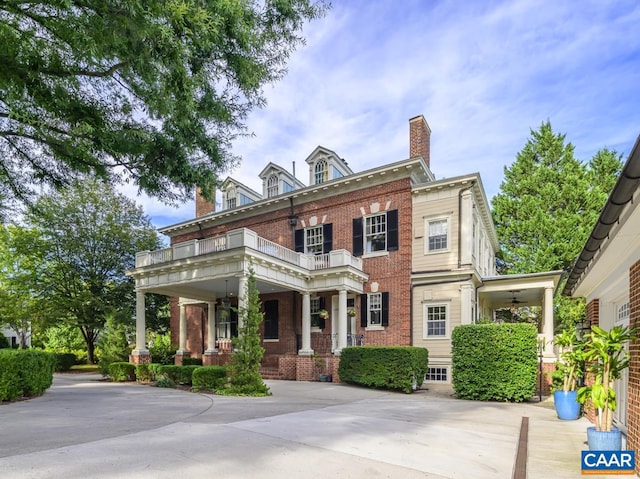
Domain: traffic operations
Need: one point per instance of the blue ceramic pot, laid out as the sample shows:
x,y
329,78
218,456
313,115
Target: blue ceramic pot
x,y
567,406
604,440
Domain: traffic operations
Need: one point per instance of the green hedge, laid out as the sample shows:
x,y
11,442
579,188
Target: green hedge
x,y
25,373
147,372
64,361
495,362
209,378
178,374
400,367
122,371
192,361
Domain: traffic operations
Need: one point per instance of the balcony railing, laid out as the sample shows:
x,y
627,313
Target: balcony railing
x,y
246,238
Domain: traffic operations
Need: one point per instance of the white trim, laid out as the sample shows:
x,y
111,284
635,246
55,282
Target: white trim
x,y
446,367
432,304
429,220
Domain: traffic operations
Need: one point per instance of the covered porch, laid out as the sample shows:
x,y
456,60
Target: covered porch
x,y
207,280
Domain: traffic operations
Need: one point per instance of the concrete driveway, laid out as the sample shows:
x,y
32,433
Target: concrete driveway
x,y
86,428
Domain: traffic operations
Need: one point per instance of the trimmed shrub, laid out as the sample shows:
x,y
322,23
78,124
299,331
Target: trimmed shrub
x,y
162,351
209,378
121,372
178,374
192,361
147,372
25,373
64,361
4,342
495,362
389,367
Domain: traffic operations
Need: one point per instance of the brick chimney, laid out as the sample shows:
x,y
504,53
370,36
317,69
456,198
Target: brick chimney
x,y
420,139
203,207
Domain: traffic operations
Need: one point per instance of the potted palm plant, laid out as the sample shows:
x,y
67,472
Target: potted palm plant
x,y
569,369
607,358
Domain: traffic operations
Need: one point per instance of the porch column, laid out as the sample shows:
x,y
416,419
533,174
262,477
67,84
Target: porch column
x,y
141,346
242,300
342,320
211,327
306,326
466,295
182,349
547,318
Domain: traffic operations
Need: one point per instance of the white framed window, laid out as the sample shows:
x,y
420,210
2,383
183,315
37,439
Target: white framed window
x,y
316,306
374,313
272,186
313,240
622,316
438,374
436,320
321,172
437,235
231,198
375,233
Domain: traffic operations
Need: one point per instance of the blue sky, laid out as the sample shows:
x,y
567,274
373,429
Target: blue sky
x,y
482,73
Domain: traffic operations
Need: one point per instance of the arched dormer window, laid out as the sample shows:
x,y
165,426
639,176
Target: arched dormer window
x,y
272,186
231,198
321,172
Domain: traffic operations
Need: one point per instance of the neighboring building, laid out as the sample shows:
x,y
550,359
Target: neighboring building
x,y
14,338
607,275
394,256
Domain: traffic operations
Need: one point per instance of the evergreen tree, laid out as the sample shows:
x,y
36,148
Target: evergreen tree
x,y
244,368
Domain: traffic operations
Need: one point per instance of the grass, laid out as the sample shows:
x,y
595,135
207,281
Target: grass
x,y
85,368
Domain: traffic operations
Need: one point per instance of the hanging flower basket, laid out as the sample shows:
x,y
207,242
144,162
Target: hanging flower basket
x,y
351,312
323,314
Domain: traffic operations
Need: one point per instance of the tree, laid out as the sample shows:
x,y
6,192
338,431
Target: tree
x,y
548,204
22,264
148,92
244,368
92,235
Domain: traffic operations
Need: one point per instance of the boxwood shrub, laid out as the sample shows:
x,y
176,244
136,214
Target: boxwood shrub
x,y
209,378
64,361
400,367
494,362
122,371
178,374
25,373
147,372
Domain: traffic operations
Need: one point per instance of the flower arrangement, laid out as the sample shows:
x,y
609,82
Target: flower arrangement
x,y
351,312
323,314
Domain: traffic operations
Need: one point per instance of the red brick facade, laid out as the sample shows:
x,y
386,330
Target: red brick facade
x,y
633,400
390,271
420,139
203,207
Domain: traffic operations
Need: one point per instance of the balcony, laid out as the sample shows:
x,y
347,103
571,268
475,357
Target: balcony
x,y
245,238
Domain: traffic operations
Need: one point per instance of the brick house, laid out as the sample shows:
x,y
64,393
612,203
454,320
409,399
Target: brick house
x,y
387,256
607,275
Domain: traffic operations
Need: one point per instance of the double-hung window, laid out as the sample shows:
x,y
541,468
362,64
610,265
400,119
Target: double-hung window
x,y
438,237
313,240
375,233
374,308
317,305
436,317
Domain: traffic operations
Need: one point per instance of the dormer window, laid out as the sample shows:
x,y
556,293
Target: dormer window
x,y
231,198
321,172
272,186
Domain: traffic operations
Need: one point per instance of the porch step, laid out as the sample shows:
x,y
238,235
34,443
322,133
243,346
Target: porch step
x,y
269,373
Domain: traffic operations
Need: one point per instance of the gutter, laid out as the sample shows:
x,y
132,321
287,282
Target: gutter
x,y
620,196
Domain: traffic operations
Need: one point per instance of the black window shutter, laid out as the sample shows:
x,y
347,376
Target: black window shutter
x,y
385,309
358,247
327,237
364,310
321,321
392,230
299,247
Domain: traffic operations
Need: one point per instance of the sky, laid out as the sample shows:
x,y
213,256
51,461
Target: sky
x,y
483,74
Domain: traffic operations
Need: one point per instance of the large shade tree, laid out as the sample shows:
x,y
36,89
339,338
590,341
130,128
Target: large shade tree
x,y
547,205
149,92
92,235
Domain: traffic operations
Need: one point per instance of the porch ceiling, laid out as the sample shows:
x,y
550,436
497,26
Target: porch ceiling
x,y
519,290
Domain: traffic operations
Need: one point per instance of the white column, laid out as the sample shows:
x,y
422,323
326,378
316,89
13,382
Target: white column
x,y
306,326
211,327
466,226
466,296
342,320
242,300
141,345
547,318
183,329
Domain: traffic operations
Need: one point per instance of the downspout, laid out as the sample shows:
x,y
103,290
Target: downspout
x,y
460,222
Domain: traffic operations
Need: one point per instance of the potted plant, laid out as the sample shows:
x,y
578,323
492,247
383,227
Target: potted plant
x,y
321,364
351,312
569,368
605,354
323,314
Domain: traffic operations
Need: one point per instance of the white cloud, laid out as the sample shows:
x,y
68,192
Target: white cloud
x,y
482,73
